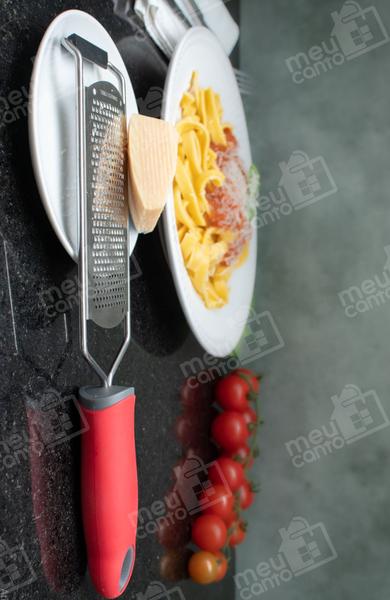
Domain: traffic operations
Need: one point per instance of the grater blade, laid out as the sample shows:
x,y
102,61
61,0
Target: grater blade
x,y
107,236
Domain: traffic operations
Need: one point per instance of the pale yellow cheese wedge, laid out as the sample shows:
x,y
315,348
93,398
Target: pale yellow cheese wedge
x,y
152,165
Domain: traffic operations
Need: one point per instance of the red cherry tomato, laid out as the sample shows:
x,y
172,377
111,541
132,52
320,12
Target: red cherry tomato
x,y
189,430
227,472
231,393
222,566
220,502
203,567
243,456
209,532
196,397
173,532
251,378
229,430
245,495
250,416
237,535
232,519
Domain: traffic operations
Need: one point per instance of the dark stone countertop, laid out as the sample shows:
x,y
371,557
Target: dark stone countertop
x,y
41,542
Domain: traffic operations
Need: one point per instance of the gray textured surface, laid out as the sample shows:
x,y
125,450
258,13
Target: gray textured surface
x,y
307,258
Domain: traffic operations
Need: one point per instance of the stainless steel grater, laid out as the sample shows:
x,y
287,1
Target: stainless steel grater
x,y
109,470
107,206
104,213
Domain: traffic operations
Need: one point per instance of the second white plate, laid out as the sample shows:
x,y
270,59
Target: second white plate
x,y
217,330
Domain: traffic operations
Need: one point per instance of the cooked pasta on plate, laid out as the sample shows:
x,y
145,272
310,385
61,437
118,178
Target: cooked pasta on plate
x,y
213,195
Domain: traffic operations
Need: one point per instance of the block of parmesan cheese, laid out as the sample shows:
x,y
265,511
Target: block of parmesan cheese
x,y
152,165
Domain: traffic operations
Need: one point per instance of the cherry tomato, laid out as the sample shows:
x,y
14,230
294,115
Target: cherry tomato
x,y
250,416
245,495
229,430
195,398
233,517
231,393
174,564
203,567
173,532
237,535
190,430
220,503
226,471
251,378
222,566
209,532
243,456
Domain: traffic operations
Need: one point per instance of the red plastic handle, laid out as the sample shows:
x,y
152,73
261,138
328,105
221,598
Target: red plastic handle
x,y
110,495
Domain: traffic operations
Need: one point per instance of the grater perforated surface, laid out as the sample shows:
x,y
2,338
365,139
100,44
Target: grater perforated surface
x,y
107,207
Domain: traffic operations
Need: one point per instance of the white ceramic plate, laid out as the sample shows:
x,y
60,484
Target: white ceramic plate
x,y
217,330
52,120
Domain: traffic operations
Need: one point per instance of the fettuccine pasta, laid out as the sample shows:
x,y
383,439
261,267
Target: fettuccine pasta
x,y
210,188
